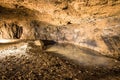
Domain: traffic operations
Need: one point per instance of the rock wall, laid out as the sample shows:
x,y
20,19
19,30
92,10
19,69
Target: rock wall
x,y
89,23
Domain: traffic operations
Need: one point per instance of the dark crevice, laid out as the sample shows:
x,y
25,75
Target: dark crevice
x,y
49,42
17,31
65,8
69,22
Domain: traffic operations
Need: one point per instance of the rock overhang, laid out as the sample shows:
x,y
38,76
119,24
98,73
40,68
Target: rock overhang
x,y
83,23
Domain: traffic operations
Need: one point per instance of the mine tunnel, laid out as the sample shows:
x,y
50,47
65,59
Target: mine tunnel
x,y
60,40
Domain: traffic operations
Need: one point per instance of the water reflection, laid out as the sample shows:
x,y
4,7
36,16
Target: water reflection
x,y
81,55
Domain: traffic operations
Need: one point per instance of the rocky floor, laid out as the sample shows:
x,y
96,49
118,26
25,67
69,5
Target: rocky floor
x,y
53,65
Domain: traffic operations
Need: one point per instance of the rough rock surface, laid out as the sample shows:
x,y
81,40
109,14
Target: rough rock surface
x,y
28,62
89,23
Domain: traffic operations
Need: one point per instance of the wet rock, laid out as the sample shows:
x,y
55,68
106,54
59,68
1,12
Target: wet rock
x,y
49,65
19,47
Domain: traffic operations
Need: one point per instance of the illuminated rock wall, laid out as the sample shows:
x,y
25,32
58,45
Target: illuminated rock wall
x,y
88,23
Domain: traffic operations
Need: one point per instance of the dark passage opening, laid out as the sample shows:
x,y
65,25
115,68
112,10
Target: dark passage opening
x,y
49,42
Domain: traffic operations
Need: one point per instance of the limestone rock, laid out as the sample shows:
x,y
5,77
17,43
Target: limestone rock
x,y
38,43
89,23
